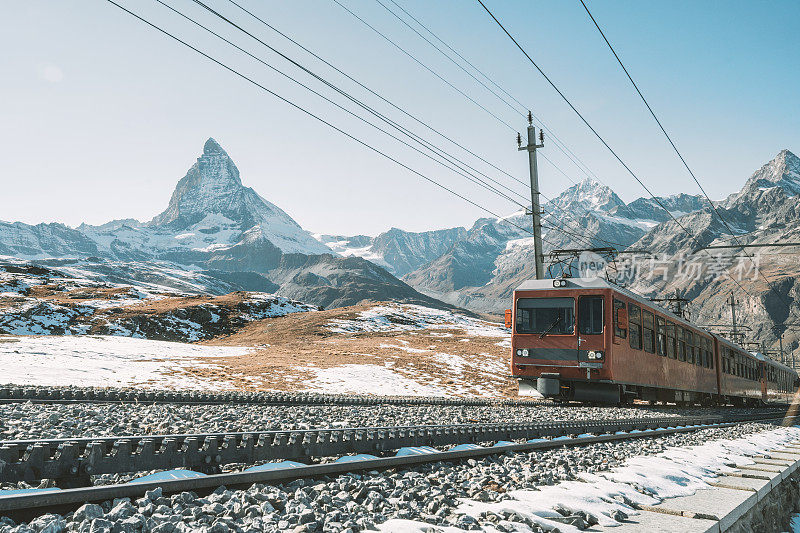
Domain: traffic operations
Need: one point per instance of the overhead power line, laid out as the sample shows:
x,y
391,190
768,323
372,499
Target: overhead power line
x,y
306,112
423,65
456,63
460,170
373,92
568,213
560,145
599,137
674,147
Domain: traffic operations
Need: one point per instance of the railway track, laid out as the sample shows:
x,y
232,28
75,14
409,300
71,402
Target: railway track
x,y
25,505
71,461
70,395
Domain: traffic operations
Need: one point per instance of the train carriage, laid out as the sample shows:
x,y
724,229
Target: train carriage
x,y
740,374
589,340
779,383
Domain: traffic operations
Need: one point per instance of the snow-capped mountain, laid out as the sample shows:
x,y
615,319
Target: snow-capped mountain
x,y
766,210
650,209
210,205
396,250
480,271
214,225
588,196
211,214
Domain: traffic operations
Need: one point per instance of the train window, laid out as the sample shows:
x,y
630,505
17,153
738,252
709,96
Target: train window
x,y
681,344
661,336
698,350
619,332
554,316
648,332
710,353
590,315
671,351
703,352
635,326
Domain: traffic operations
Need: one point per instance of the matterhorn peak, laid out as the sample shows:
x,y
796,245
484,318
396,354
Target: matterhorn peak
x,y
211,200
212,185
212,147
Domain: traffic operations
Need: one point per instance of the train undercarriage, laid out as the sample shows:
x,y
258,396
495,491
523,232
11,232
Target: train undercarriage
x,y
554,387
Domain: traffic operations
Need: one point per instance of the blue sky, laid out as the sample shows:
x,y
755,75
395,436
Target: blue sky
x,y
102,115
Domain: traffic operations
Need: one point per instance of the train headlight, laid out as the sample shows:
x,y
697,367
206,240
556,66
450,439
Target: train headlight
x,y
595,355
524,352
559,283
519,352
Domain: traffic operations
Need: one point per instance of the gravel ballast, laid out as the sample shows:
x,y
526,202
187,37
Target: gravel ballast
x,y
352,502
36,420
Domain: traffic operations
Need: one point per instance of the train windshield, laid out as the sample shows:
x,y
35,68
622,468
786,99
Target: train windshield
x,y
553,316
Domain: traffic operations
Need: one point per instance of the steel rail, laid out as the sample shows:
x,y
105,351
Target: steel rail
x,y
23,505
71,461
21,393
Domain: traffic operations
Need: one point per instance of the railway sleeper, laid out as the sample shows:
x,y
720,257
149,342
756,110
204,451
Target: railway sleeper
x,y
74,461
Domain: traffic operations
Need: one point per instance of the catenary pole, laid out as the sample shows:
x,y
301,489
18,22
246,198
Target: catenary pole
x,y
536,210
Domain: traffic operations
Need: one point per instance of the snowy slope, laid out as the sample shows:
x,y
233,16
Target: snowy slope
x,y
77,299
107,362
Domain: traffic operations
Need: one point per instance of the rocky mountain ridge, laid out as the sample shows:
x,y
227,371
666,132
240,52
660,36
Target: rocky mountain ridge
x,y
480,271
215,225
765,211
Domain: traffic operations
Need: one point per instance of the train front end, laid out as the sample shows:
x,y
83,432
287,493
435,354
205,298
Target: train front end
x,y
560,347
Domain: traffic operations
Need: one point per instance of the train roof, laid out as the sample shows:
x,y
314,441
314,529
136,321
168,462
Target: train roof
x,y
773,362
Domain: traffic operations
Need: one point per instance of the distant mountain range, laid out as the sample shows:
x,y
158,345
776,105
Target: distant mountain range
x,y
218,235
216,226
766,210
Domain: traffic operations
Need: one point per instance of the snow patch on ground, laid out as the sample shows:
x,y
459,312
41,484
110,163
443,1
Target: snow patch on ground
x,y
106,361
396,317
642,480
367,379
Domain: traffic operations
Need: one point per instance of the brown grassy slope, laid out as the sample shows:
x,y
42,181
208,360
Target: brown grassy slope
x,y
290,348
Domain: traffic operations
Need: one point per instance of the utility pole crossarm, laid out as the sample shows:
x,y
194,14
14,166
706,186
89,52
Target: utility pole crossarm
x,y
536,210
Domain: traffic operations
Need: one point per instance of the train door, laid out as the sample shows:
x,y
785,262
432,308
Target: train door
x,y
591,340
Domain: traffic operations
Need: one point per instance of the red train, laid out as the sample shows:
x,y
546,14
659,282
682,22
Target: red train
x,y
588,340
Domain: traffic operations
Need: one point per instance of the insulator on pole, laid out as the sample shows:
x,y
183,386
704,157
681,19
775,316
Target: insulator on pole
x,y
519,139
530,117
